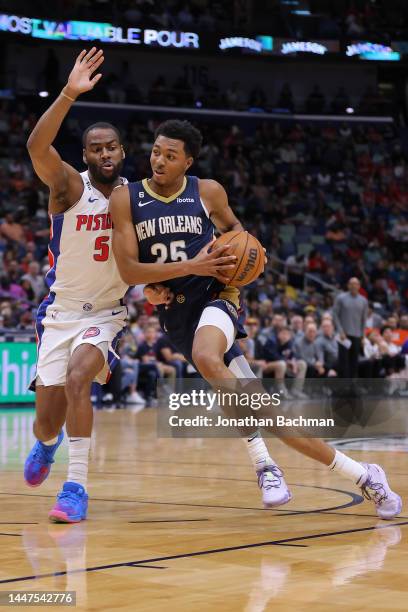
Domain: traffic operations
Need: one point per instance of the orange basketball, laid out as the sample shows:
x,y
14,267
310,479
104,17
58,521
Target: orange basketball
x,y
250,257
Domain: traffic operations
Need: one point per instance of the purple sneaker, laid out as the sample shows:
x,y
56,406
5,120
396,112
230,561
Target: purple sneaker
x,y
273,486
376,488
38,463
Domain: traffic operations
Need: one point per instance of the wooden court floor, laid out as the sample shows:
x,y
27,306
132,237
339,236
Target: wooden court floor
x,y
179,525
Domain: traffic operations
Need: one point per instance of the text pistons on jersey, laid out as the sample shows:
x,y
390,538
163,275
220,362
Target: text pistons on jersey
x,y
169,225
90,223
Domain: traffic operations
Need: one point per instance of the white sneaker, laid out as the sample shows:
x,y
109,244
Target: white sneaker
x,y
376,488
135,398
274,489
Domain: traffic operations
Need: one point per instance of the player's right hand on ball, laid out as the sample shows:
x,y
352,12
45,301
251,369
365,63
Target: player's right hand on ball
x,y
214,263
156,294
81,78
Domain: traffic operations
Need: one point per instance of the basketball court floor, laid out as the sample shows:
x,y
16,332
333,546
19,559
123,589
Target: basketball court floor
x,y
179,525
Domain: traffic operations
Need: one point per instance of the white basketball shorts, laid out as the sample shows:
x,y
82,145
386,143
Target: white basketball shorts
x,y
63,325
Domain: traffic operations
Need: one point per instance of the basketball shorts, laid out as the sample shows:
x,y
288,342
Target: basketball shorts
x,y
223,311
63,325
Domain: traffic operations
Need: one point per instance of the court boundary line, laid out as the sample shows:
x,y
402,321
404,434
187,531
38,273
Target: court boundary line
x,y
146,562
356,499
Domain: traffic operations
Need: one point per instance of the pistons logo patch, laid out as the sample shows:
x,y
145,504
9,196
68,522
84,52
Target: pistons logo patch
x,y
91,332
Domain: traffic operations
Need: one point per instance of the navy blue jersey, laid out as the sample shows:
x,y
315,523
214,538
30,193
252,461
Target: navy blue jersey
x,y
174,229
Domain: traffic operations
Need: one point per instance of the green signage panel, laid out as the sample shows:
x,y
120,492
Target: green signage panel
x,y
17,368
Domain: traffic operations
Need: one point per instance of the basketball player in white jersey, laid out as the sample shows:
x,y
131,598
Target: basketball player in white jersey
x,y
80,321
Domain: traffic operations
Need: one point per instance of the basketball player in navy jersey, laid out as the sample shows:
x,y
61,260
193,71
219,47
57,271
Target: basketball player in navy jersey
x,y
160,225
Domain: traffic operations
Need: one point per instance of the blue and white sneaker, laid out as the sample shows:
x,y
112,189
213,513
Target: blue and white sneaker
x,y
274,489
38,463
71,506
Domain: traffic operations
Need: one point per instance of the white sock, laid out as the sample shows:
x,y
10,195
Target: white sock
x,y
258,452
348,467
51,442
78,451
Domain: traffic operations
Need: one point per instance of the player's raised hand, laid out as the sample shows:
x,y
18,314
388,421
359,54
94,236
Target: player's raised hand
x,y
214,263
82,77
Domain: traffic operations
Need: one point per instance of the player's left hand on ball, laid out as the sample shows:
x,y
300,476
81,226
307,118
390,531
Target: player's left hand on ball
x,y
156,294
266,259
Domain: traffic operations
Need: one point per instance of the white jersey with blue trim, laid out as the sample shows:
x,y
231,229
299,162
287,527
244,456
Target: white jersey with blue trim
x,y
82,265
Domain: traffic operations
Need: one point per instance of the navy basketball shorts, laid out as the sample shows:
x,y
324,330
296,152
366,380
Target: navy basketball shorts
x,y
181,324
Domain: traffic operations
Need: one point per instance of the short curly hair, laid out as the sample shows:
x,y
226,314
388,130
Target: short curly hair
x,y
182,130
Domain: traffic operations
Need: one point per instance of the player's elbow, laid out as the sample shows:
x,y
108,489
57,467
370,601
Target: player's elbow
x,y
33,146
127,277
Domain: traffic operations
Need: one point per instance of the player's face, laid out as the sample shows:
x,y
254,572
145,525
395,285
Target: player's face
x,y
169,160
104,155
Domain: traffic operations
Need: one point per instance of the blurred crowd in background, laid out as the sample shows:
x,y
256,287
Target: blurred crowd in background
x,y
328,201
318,18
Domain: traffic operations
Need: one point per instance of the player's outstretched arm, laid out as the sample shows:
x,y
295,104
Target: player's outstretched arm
x,y
63,180
215,199
126,251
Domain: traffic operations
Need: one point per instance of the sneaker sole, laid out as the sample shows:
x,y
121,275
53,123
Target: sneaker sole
x,y
57,516
284,501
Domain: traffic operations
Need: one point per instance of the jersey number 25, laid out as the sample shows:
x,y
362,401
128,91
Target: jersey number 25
x,y
177,252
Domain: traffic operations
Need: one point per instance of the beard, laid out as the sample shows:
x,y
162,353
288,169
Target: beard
x,y
100,177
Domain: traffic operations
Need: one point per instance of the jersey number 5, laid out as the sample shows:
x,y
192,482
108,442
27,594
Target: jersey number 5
x,y
101,245
177,252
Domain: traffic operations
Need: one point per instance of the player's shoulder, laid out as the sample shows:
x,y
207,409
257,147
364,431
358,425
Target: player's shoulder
x,y
210,188
120,191
119,198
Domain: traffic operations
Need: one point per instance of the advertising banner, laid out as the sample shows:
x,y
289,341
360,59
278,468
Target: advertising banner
x,y
17,368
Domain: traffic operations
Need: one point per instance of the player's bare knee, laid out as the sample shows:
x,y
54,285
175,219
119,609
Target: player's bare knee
x,y
77,384
209,365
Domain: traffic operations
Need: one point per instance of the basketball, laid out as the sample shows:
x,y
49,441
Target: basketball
x,y
250,256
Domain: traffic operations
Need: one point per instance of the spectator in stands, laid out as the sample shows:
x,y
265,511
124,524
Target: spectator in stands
x,y
378,293
296,324
295,269
149,366
168,356
350,314
36,280
374,320
273,363
329,345
26,322
251,346
392,361
295,368
370,363
11,230
308,350
130,371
